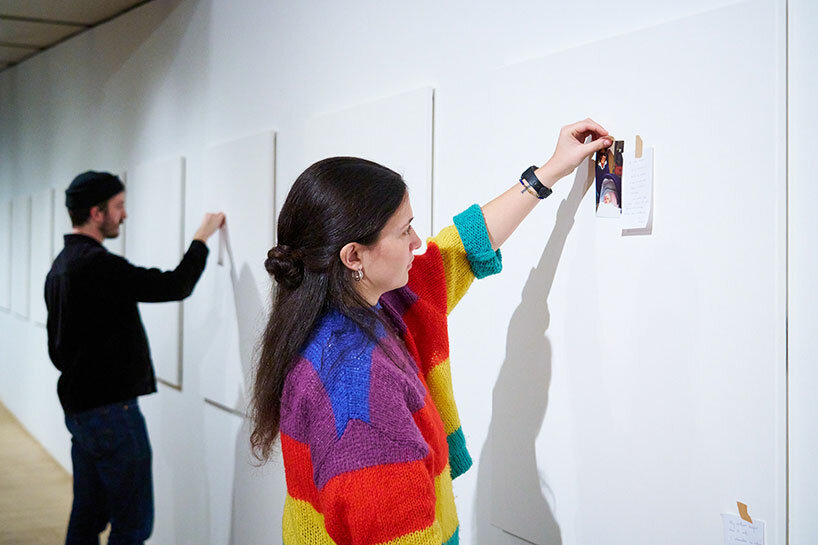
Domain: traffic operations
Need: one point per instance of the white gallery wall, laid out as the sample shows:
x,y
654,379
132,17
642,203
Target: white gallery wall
x,y
612,389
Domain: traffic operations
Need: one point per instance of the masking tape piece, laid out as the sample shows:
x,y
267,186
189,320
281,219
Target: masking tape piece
x,y
638,146
742,511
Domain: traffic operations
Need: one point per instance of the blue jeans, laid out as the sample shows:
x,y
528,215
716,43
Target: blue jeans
x,y
111,455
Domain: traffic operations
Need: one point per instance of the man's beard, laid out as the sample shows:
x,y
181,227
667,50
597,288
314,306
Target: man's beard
x,y
110,229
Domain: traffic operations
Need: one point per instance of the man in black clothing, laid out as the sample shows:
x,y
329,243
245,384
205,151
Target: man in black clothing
x,y
97,341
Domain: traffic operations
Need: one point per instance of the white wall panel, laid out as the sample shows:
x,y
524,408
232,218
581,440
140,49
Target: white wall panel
x,y
155,239
5,255
227,311
20,252
42,248
395,132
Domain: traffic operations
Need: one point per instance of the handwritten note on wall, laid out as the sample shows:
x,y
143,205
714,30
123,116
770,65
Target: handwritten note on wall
x,y
741,532
637,192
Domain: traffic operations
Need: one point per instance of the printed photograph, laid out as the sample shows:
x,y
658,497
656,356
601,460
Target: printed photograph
x,y
609,181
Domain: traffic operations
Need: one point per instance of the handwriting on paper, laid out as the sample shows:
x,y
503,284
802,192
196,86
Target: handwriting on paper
x,y
740,532
637,190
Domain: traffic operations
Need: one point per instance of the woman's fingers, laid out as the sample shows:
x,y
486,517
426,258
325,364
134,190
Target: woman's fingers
x,y
596,145
582,129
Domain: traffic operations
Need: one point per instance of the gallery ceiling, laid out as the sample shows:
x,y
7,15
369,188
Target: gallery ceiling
x,y
28,27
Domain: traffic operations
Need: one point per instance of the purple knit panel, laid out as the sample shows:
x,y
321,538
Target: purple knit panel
x,y
305,406
387,376
392,436
363,445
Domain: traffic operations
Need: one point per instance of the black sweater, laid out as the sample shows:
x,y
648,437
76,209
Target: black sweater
x,y
95,335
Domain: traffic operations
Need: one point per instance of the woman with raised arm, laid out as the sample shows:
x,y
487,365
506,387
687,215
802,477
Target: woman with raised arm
x,y
354,364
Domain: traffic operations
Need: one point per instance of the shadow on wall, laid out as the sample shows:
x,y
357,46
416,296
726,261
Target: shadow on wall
x,y
249,313
509,486
258,491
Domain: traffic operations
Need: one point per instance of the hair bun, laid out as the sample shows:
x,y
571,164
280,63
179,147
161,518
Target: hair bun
x,y
285,265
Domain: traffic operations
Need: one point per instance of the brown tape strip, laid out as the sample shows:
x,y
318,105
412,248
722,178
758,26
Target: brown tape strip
x,y
742,511
638,146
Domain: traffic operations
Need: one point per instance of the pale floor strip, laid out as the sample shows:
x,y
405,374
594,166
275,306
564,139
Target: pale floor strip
x,y
35,491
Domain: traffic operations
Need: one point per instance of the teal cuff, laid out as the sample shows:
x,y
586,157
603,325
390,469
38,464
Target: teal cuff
x,y
459,458
471,226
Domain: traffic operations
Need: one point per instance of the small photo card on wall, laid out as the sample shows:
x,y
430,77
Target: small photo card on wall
x,y
624,186
608,176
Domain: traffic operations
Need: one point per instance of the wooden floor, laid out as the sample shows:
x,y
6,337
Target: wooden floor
x,y
35,491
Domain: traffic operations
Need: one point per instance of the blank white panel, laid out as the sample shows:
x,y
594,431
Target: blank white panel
x,y
155,238
642,385
395,132
5,254
42,242
20,247
228,308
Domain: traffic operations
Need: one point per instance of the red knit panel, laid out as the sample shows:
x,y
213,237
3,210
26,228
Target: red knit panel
x,y
379,503
298,471
425,323
427,278
431,426
409,341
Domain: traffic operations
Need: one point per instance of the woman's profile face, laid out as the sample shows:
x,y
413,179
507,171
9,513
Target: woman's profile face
x,y
387,262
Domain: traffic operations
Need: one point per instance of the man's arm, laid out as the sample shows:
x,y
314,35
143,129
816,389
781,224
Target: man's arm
x,y
154,285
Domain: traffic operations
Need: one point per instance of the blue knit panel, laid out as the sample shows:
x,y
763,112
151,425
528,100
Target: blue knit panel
x,y
459,458
341,355
455,539
471,226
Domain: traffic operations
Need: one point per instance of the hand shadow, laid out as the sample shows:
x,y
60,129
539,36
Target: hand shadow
x,y
509,485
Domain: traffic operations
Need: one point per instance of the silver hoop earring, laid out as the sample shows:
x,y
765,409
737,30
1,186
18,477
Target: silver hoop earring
x,y
358,275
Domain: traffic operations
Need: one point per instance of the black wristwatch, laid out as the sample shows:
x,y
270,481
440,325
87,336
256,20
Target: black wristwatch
x,y
528,177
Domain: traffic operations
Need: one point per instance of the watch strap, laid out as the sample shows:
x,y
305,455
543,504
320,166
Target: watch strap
x,y
531,179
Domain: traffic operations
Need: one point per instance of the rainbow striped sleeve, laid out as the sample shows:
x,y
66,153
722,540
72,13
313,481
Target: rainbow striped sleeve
x,y
453,259
438,280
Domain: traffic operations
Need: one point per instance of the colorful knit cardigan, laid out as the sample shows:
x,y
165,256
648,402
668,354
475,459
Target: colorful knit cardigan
x,y
370,450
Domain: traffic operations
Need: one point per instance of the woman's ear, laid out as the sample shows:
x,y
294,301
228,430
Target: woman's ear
x,y
351,256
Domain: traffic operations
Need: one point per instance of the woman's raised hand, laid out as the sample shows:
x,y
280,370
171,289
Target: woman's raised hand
x,y
572,148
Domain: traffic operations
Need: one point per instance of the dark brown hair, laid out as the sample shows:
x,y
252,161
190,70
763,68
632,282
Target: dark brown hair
x,y
334,202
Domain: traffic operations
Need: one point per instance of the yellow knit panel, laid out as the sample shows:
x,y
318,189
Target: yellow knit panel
x,y
445,510
303,525
439,380
455,264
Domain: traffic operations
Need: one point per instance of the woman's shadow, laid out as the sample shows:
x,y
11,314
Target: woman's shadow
x,y
509,485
